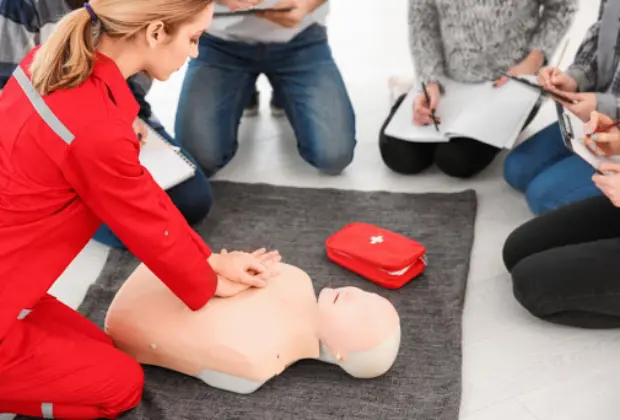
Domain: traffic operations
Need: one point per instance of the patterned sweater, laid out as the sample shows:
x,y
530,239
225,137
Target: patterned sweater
x,y
477,40
596,66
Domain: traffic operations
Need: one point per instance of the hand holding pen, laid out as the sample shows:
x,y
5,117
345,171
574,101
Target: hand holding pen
x,y
425,104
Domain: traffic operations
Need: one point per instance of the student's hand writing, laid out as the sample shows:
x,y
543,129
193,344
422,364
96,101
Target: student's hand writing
x,y
422,108
609,184
552,78
239,4
292,18
605,143
585,104
239,267
529,65
140,129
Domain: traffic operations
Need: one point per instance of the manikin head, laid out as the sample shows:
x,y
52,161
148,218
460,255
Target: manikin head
x,y
359,330
151,36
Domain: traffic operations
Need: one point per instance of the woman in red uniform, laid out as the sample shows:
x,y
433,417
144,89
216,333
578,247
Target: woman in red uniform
x,y
62,176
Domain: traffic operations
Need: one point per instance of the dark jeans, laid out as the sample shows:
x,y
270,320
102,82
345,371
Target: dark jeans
x,y
548,173
308,85
461,157
564,264
192,197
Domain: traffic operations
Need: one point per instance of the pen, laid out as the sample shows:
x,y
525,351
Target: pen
x,y
606,127
428,100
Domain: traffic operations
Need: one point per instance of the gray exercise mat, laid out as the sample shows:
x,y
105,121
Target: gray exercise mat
x,y
424,383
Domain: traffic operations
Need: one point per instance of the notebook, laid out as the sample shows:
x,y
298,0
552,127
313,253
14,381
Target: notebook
x,y
165,162
495,116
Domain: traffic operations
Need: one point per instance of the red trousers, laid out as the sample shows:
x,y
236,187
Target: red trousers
x,y
55,363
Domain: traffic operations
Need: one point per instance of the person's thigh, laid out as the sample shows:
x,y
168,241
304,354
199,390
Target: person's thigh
x,y
588,220
463,157
565,182
315,99
574,285
533,156
217,86
51,366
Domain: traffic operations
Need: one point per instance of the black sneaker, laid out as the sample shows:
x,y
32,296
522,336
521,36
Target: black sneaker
x,y
251,109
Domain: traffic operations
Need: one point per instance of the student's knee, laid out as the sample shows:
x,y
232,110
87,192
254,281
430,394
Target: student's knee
x,y
454,164
530,281
405,157
541,196
127,387
515,173
333,158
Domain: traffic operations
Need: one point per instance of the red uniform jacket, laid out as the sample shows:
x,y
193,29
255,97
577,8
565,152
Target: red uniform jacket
x,y
69,162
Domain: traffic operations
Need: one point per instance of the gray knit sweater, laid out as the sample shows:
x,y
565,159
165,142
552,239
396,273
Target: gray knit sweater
x,y
477,40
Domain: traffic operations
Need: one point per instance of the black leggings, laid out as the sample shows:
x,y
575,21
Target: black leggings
x,y
565,264
461,157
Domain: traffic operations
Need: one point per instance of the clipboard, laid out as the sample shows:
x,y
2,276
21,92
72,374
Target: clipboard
x,y
574,140
541,89
252,11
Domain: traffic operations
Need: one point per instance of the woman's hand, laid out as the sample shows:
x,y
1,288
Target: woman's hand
x,y
228,288
605,143
585,104
239,4
422,108
239,267
552,78
609,183
529,65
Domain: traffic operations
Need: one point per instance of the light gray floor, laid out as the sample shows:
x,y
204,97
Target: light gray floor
x,y
515,367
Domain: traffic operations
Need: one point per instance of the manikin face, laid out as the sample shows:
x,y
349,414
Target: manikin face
x,y
351,320
168,53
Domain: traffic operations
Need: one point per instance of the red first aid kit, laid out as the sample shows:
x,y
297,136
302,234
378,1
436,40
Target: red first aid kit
x,y
384,257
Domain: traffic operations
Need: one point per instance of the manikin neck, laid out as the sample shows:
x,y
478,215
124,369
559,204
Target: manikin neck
x,y
325,355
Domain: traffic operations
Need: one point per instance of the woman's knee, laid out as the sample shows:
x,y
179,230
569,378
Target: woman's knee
x,y
463,159
127,387
405,157
542,195
515,173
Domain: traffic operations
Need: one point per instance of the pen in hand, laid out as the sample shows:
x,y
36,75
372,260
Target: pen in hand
x,y
428,101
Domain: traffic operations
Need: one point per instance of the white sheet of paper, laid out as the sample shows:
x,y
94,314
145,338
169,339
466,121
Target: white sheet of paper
x,y
167,167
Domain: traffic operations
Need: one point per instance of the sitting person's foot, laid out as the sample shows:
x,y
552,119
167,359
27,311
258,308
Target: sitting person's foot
x,y
251,109
277,110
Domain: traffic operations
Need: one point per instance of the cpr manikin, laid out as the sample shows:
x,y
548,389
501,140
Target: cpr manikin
x,y
239,343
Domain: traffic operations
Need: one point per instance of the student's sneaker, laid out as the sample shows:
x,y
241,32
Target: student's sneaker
x,y
251,109
276,109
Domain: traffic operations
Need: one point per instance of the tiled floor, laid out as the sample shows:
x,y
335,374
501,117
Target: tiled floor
x,y
515,367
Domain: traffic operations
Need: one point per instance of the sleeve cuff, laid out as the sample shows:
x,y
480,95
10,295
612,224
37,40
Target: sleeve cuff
x,y
607,104
584,84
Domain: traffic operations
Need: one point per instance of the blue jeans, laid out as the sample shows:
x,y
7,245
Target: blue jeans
x,y
548,173
192,197
308,85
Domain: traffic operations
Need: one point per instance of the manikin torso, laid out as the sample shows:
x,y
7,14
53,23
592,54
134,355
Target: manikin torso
x,y
238,343
252,336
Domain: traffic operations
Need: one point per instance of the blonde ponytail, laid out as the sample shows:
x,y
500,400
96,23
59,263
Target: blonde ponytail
x,y
66,59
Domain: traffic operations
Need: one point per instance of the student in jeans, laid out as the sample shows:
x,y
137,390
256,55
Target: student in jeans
x,y
26,24
471,41
292,50
541,167
564,263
